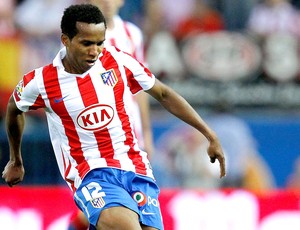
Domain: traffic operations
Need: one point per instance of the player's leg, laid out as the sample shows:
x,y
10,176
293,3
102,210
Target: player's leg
x,y
104,201
120,218
148,228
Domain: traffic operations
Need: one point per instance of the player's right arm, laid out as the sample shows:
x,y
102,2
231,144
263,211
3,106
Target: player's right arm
x,y
178,106
15,121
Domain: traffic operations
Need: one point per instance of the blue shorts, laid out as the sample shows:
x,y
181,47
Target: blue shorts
x,y
108,187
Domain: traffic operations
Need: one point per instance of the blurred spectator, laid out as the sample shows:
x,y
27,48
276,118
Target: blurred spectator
x,y
39,22
202,19
9,52
275,24
162,53
164,15
274,16
173,12
154,20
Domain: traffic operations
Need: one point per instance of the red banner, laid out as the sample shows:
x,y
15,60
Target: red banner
x,y
50,208
35,208
230,210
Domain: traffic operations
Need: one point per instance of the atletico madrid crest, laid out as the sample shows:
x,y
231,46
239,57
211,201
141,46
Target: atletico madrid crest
x,y
109,78
98,202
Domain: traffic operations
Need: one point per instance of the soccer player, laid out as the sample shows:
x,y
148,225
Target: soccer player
x,y
129,38
84,94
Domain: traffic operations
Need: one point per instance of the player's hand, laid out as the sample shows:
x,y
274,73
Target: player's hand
x,y
13,173
215,152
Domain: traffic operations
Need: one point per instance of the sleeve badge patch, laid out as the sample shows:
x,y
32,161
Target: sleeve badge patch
x,y
19,90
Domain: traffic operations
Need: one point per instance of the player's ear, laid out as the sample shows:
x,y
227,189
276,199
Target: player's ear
x,y
64,39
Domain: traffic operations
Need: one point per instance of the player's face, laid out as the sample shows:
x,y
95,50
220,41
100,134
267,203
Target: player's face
x,y
109,8
84,49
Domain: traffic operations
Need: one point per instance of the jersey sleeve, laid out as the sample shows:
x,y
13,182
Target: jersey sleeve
x,y
26,93
139,77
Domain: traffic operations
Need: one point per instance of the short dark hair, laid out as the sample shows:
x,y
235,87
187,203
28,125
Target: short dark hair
x,y
80,13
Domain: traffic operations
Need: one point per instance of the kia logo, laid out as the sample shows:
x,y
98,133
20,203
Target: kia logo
x,y
95,117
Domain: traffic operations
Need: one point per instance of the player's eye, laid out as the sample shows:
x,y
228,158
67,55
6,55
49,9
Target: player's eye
x,y
100,43
87,43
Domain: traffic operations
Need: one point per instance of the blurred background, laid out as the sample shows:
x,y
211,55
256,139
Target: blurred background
x,y
236,61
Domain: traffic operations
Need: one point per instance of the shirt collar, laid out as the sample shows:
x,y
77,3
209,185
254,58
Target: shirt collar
x,y
57,62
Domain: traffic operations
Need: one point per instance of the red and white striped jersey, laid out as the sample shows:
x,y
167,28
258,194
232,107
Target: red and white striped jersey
x,y
129,38
88,118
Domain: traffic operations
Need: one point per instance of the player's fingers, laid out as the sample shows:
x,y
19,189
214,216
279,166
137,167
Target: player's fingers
x,y
222,172
11,184
222,167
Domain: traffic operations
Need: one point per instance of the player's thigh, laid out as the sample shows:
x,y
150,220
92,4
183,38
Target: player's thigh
x,y
120,218
148,228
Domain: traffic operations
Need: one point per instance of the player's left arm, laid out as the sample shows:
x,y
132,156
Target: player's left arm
x,y
179,107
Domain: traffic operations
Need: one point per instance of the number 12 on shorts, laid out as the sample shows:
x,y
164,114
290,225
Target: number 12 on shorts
x,y
92,191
